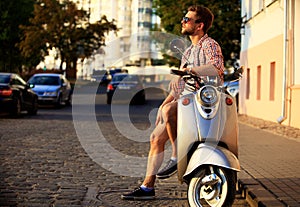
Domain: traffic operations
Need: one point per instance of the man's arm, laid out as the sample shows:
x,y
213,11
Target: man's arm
x,y
204,70
215,63
213,53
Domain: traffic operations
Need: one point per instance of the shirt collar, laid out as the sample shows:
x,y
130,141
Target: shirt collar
x,y
202,39
199,42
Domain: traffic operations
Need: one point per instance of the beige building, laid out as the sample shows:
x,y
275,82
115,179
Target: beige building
x,y
270,51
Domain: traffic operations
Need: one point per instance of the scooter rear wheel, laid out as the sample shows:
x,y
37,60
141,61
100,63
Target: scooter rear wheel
x,y
212,186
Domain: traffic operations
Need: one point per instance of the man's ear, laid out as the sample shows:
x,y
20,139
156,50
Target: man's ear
x,y
201,25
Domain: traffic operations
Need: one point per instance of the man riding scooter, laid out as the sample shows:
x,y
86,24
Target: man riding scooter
x,y
203,51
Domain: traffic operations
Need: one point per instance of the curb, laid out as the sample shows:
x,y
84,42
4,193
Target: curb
x,y
254,193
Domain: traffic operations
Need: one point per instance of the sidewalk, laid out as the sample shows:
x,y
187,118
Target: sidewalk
x,y
270,163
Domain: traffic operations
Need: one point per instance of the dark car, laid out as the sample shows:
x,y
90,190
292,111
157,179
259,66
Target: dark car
x,y
51,88
125,86
105,76
100,76
16,96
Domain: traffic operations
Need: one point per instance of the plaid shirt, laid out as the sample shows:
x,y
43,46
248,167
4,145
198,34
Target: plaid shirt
x,y
208,51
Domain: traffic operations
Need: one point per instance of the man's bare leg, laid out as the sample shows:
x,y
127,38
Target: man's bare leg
x,y
170,118
158,139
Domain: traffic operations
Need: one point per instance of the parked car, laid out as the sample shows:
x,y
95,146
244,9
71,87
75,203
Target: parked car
x,y
114,71
16,96
105,76
100,76
125,86
51,88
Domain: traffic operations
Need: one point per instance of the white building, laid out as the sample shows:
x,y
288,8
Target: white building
x,y
131,44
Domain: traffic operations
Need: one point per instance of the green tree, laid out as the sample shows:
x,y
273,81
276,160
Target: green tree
x,y
225,29
64,27
12,14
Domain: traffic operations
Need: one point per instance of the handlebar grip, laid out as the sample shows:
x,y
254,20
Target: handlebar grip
x,y
179,72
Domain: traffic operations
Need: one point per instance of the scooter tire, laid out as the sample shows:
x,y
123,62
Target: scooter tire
x,y
224,197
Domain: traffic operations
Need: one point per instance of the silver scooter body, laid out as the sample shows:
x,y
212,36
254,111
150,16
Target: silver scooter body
x,y
207,138
207,133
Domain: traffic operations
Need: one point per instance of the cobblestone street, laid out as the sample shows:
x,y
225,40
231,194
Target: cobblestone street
x,y
44,164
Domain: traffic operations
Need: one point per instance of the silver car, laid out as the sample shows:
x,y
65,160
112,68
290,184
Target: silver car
x,y
51,88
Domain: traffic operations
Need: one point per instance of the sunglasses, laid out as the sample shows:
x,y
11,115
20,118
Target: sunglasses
x,y
187,19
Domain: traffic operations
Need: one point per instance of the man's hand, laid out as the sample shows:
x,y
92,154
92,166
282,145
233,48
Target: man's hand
x,y
189,69
174,83
176,86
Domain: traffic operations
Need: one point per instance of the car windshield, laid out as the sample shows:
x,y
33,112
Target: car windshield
x,y
4,78
45,80
127,78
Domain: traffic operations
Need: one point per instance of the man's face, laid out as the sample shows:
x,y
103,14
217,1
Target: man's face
x,y
188,24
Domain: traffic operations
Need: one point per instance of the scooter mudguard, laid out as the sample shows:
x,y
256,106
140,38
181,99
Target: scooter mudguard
x,y
210,154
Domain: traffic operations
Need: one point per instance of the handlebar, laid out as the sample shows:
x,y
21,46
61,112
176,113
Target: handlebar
x,y
187,76
201,81
179,72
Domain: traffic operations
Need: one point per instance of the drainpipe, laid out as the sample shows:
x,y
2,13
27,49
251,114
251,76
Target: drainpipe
x,y
285,62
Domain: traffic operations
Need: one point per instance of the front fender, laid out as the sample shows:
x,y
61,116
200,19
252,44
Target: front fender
x,y
210,154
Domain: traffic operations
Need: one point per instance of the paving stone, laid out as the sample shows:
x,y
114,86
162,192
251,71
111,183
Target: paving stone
x,y
47,166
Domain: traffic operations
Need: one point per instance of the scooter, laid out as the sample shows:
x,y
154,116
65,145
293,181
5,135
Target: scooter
x,y
207,141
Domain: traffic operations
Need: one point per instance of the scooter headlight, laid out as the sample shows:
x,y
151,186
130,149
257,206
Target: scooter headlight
x,y
208,95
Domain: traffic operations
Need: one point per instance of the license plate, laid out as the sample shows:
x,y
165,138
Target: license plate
x,y
123,87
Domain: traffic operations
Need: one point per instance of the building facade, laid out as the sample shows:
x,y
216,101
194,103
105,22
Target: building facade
x,y
131,45
270,45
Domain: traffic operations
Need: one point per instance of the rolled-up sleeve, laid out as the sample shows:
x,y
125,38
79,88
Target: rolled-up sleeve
x,y
213,53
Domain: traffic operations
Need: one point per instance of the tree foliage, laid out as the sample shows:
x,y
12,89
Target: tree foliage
x,y
65,28
225,29
12,14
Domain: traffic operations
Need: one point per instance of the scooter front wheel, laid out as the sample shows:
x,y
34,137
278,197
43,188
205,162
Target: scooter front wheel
x,y
213,186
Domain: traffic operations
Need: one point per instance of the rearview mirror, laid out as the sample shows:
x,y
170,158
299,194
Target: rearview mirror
x,y
177,45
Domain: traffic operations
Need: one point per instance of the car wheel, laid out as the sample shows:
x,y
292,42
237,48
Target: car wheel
x,y
69,101
17,107
34,109
108,100
59,102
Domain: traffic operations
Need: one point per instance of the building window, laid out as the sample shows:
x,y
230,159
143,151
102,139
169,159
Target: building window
x,y
145,24
258,85
248,84
145,10
272,81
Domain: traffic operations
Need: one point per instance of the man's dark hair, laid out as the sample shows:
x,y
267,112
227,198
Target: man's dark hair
x,y
204,15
